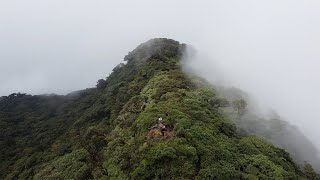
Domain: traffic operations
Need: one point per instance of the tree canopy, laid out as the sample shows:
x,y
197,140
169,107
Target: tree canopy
x,y
104,132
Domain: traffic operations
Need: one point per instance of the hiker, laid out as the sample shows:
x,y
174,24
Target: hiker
x,y
162,128
160,119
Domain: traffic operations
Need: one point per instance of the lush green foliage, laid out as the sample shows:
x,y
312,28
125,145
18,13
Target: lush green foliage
x,y
102,132
270,127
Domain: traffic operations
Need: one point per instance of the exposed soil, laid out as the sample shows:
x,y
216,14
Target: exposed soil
x,y
155,133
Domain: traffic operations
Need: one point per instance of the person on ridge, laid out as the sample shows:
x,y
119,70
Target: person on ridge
x,y
162,128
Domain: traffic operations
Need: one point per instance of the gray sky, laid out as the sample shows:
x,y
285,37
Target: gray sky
x,y
268,48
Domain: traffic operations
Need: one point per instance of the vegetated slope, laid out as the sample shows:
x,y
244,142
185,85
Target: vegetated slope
x,y
271,127
106,132
283,135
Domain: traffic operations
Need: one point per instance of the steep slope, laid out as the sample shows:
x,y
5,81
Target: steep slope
x,y
271,127
107,132
283,135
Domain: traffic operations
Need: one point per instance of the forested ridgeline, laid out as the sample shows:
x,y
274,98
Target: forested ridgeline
x,y
112,131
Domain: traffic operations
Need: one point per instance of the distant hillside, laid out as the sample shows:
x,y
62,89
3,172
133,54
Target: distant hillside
x,y
112,131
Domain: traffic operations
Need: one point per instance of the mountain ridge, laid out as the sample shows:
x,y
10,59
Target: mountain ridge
x,y
102,133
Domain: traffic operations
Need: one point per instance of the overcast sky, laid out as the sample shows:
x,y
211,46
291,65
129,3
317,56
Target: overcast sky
x,y
270,49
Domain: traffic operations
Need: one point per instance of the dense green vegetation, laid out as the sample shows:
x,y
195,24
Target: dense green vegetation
x,y
271,127
103,132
